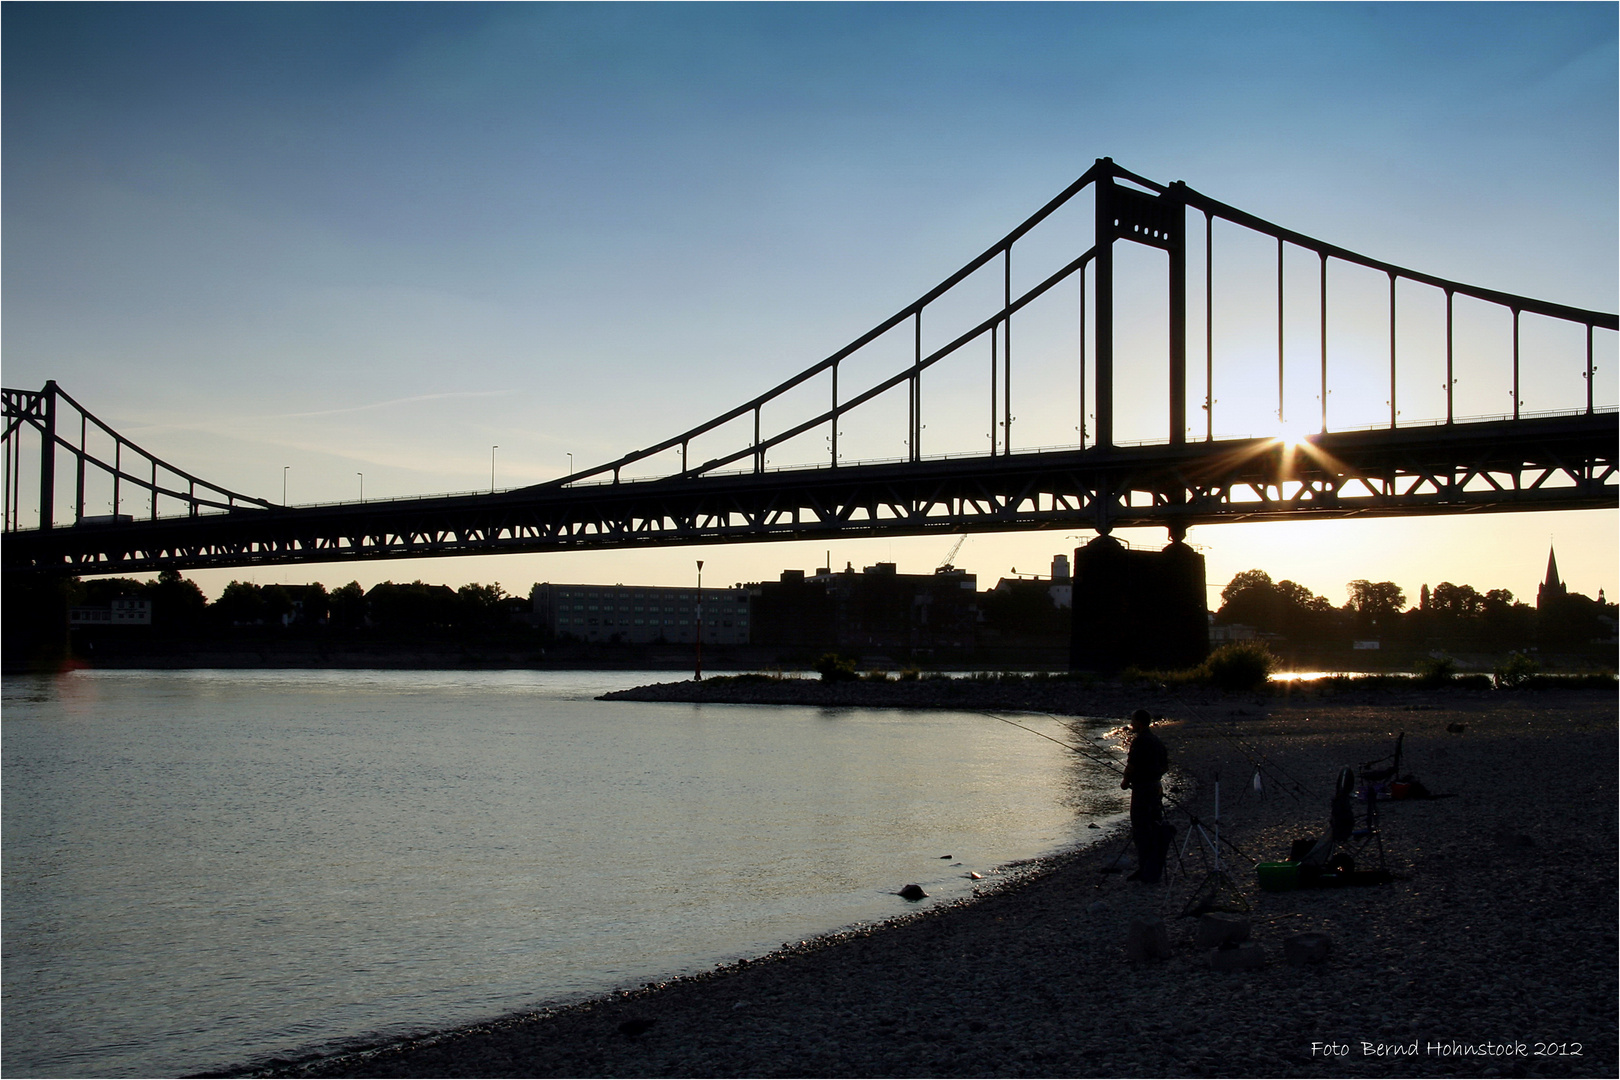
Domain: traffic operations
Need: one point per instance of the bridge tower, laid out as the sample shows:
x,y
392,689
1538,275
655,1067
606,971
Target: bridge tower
x,y
1159,221
1138,607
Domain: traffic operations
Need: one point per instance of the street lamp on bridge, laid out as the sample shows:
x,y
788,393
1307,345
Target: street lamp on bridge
x,y
284,469
362,477
492,467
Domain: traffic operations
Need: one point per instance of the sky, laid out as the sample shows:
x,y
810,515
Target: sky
x,y
400,247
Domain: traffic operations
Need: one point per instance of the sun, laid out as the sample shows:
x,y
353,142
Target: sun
x,y
1291,433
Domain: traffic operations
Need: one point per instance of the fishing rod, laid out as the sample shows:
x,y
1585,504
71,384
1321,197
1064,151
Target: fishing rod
x,y
1261,761
1261,767
1090,754
1109,763
1264,761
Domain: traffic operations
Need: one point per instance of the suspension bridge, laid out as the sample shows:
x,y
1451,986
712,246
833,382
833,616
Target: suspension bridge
x,y
62,461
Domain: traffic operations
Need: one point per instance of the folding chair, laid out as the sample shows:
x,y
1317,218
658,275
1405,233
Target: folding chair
x,y
1370,775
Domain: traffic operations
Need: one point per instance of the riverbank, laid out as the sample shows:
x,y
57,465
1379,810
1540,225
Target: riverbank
x,y
1079,696
1499,932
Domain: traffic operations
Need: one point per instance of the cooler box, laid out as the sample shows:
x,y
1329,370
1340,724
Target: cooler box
x,y
1278,876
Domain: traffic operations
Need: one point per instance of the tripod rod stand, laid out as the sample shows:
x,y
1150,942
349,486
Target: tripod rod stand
x,y
1206,895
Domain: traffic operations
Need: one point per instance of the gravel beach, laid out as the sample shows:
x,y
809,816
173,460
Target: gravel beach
x,y
1493,953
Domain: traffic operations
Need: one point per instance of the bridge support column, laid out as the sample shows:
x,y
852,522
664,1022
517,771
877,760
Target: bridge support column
x,y
34,636
47,460
1137,608
1178,323
1103,363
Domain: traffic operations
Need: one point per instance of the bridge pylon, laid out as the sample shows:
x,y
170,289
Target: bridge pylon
x,y
1157,220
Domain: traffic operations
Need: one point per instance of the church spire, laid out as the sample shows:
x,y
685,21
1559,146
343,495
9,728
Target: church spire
x,y
1552,590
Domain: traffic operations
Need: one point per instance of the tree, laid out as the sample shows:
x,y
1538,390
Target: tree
x,y
1250,598
1283,607
314,604
103,591
1450,601
347,605
480,605
241,603
176,602
1504,622
1373,599
1249,582
416,606
1299,597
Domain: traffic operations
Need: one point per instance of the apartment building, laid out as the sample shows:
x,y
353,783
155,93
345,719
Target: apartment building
x,y
641,614
124,611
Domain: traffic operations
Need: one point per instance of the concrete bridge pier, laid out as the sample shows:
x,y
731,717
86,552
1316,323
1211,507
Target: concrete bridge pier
x,y
1136,608
35,621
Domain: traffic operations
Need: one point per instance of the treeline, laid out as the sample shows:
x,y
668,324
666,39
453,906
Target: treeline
x,y
178,604
1295,622
1450,617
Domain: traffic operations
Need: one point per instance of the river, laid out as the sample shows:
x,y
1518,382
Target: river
x,y
205,868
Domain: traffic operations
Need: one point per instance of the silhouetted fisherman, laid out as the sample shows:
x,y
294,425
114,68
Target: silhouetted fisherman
x,y
1145,764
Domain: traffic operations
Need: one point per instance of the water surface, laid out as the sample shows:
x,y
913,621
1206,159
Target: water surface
x,y
202,868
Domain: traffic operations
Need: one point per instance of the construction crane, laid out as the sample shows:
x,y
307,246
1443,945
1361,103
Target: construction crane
x,y
946,567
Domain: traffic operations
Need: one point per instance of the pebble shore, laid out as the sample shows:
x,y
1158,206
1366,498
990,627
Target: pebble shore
x,y
1493,953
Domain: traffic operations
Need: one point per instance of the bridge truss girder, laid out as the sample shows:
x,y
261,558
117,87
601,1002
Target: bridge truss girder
x,y
1535,464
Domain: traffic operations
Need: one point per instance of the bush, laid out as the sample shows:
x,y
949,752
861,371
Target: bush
x,y
1135,676
875,675
1240,665
835,668
1435,670
1515,671
909,674
747,678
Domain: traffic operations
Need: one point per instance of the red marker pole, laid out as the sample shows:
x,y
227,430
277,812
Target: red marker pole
x,y
698,675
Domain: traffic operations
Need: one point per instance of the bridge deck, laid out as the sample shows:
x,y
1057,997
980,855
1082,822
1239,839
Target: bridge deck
x,y
1551,463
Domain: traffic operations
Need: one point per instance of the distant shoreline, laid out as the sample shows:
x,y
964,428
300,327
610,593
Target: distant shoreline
x,y
1060,695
